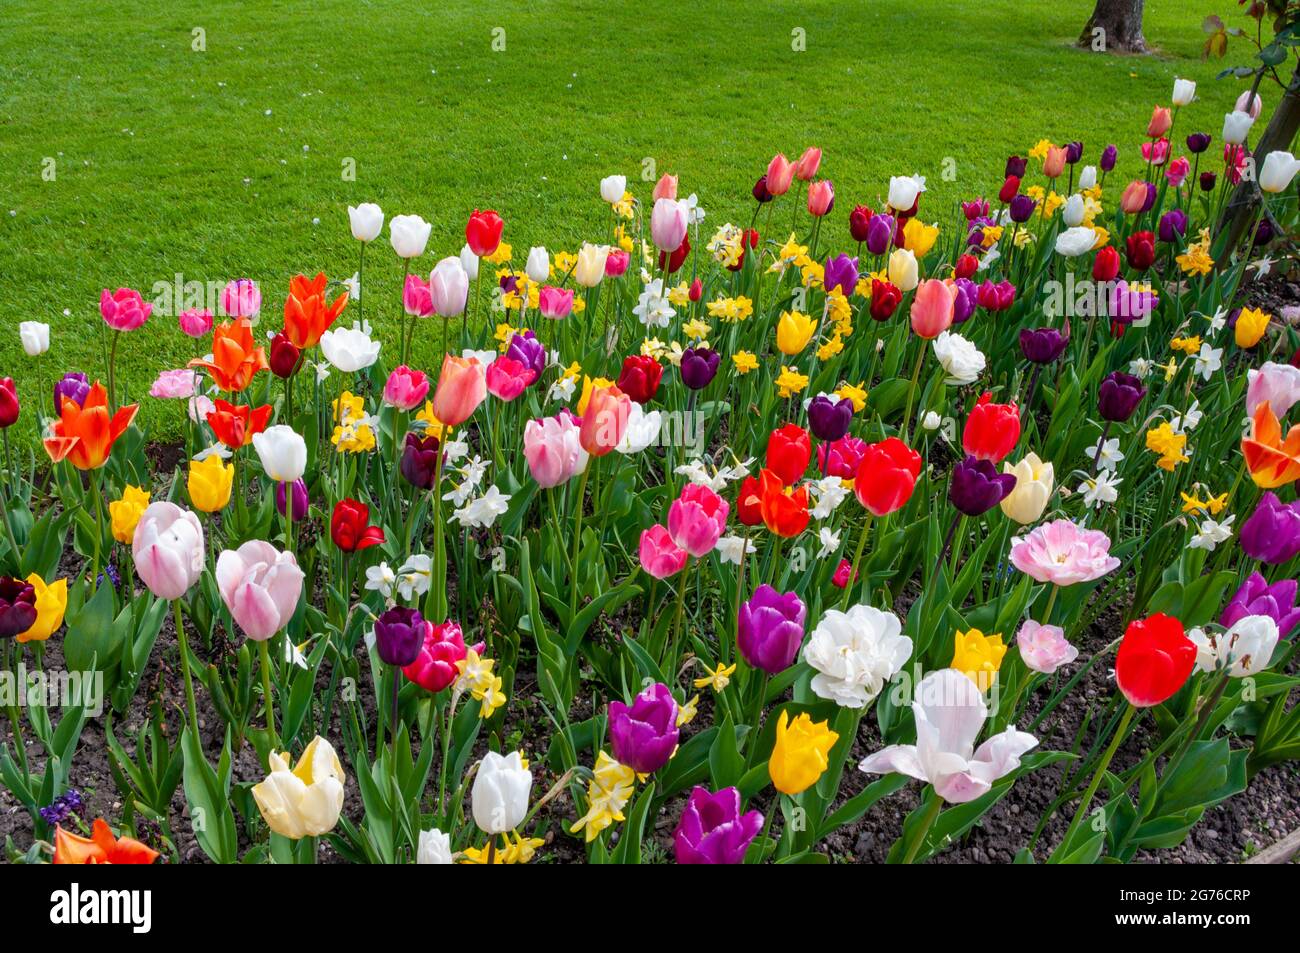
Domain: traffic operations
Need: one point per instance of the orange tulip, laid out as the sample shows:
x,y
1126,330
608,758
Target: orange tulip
x,y
604,422
1133,197
235,426
785,511
461,388
1272,462
84,435
1161,120
235,356
100,848
307,315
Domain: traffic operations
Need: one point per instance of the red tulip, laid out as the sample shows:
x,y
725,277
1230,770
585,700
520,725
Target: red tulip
x,y
967,265
483,232
235,425
749,502
1009,189
678,257
885,298
788,451
1155,659
748,240
887,476
992,430
785,511
1106,265
1141,248
640,377
859,220
285,357
350,527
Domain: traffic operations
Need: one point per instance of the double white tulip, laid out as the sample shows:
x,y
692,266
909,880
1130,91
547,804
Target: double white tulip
x,y
855,654
961,360
500,795
1074,242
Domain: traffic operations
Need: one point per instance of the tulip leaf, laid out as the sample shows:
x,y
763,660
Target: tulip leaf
x,y
207,792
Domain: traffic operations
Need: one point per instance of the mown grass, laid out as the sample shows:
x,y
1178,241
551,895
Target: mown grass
x,y
228,162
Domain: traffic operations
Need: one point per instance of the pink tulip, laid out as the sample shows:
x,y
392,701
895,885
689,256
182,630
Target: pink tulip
x,y
507,378
780,173
168,549
553,451
1063,553
821,198
461,388
932,308
616,263
1177,171
556,303
1245,100
660,556
666,187
174,385
668,224
416,298
195,322
406,388
124,309
260,586
449,288
1279,384
241,298
808,164
1156,151
1044,648
697,519
1133,197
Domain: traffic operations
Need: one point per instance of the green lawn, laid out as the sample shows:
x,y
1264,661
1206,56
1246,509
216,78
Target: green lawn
x,y
217,164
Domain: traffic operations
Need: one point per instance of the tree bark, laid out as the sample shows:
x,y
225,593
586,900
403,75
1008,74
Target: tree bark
x,y
1120,26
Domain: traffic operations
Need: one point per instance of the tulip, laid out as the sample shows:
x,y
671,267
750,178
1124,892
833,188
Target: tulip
x,y
399,635
405,388
604,420
1010,189
1054,162
860,222
366,220
282,452
667,224
640,377
408,234
1072,211
784,511
17,606
434,847
855,654
195,322
903,272
1236,127
788,453
1063,553
350,349
1088,178
748,502
9,405
1279,384
1044,648
506,378
100,848
1109,156
1154,661
555,303
880,233
1272,533
124,514
553,450
210,482
305,801
84,433
285,359
770,629
806,168
462,386
992,430
416,298
528,351
1173,225
780,174
800,754
260,586
821,198
1245,649
950,712
449,287
500,794
903,192
978,656
932,308
887,476
829,419
1105,267
350,527
236,358
666,187
612,188
1278,171
419,462
961,360
885,299
1074,242
483,232
124,309
712,829
696,519
74,387
841,272
698,366
35,337
292,494
590,268
644,736
1178,171
1272,461
168,549
538,267
658,554
1156,152
1021,208
235,426
1042,345
1250,326
435,665
793,332
1198,142
1034,483
976,487
1119,395
1256,597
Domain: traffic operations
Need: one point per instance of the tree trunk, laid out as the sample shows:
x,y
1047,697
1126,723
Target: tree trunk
x,y
1115,27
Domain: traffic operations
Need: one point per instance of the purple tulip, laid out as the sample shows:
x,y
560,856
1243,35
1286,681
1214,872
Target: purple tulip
x,y
528,351
1042,345
300,499
1149,202
1272,534
508,283
880,233
1264,233
1257,597
965,300
977,487
1208,181
1173,225
17,606
1073,152
1197,143
1108,157
712,829
698,366
841,272
1021,208
644,736
399,635
1119,395
1016,166
419,463
73,386
828,418
770,629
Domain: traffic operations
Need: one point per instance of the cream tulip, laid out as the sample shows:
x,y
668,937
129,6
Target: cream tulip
x,y
282,451
1278,171
903,270
307,800
1236,126
1034,483
590,269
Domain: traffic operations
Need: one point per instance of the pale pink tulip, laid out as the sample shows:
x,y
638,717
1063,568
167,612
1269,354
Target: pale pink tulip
x,y
241,298
1043,648
553,451
174,385
668,224
1063,553
168,549
1279,384
260,586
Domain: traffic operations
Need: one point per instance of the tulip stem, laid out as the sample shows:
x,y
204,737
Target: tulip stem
x,y
1115,740
577,539
268,697
671,657
857,558
927,821
183,642
401,313
911,394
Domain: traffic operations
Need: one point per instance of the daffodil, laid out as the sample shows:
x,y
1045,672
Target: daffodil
x,y
717,678
745,361
608,792
1168,444
790,382
854,392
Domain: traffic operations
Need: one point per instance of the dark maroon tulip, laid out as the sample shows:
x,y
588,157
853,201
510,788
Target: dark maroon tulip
x,y
1042,345
976,486
859,222
419,461
285,357
1016,166
399,635
1021,208
829,418
1119,396
761,194
1198,142
17,606
1208,181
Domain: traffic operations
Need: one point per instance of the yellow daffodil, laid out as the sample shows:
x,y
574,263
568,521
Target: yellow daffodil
x,y
788,254
500,256
731,310
1213,505
589,385
854,392
210,482
794,330
696,329
978,656
352,430
830,348
1197,260
745,361
432,425
1188,345
801,753
718,678
1169,444
51,604
125,513
992,234
608,792
688,710
679,295
1039,151
790,382
1251,325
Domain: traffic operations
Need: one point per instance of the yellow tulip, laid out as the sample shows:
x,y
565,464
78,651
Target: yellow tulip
x,y
1251,325
306,801
588,385
794,331
800,754
1034,482
978,656
125,513
51,603
919,238
209,483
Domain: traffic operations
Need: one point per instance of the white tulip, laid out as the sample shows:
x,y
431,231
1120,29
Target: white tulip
x,y
613,187
469,261
1074,242
1245,649
1088,177
642,429
1278,171
367,220
903,270
590,269
1072,211
903,190
500,794
1184,91
282,451
35,337
539,264
434,848
350,349
961,359
855,654
1236,126
408,235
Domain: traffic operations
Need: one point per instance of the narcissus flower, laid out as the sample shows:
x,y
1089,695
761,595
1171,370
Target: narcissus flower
x,y
307,800
84,434
100,848
125,513
800,754
209,483
1154,661
307,312
1272,461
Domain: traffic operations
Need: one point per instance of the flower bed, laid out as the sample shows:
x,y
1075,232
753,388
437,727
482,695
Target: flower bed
x,y
727,544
